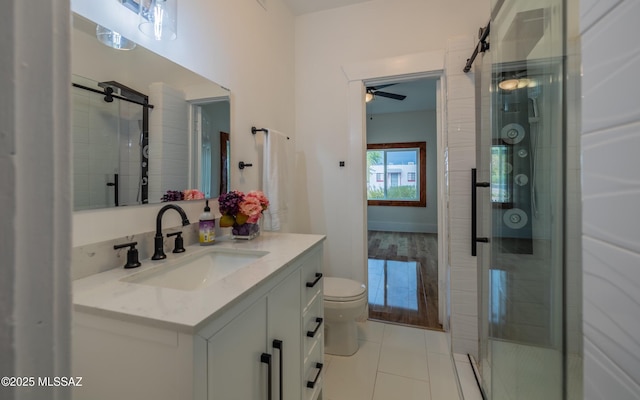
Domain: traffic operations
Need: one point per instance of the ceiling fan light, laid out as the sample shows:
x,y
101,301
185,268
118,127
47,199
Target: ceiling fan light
x,y
368,97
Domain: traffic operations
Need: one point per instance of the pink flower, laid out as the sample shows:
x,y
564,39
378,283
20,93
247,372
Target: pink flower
x,y
259,195
193,194
252,208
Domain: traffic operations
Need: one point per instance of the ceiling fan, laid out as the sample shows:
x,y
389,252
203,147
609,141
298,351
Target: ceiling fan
x,y
373,91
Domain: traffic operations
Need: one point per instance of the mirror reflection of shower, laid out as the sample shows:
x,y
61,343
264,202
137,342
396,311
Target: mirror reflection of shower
x,y
110,134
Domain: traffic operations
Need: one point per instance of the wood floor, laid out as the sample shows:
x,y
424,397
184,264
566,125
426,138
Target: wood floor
x,y
403,278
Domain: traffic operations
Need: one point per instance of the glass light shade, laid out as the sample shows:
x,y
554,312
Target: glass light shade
x,y
159,19
509,84
368,97
113,39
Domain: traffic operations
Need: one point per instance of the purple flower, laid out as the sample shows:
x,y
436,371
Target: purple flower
x,y
229,203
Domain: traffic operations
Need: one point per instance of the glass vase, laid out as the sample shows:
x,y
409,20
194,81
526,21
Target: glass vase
x,y
245,231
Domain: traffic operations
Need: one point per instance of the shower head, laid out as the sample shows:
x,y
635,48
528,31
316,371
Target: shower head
x,y
533,92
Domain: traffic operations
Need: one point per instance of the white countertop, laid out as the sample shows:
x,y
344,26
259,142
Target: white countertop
x,y
187,311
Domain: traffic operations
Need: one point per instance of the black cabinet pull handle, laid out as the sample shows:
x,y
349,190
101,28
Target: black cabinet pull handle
x,y
266,359
318,277
313,332
482,240
312,384
277,344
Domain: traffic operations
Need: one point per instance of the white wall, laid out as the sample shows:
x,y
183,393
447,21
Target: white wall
x,y
415,126
237,44
611,195
326,41
36,203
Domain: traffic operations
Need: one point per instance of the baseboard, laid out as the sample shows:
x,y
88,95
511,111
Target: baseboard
x,y
414,227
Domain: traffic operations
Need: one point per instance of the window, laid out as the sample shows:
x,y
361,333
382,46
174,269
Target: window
x,y
397,174
501,186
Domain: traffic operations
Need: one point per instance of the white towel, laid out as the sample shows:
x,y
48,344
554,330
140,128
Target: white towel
x,y
274,176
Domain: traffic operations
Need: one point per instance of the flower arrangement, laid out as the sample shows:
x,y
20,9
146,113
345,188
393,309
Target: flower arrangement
x,y
176,195
238,208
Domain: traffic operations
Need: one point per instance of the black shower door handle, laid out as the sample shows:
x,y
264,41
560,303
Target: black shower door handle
x,y
116,186
474,213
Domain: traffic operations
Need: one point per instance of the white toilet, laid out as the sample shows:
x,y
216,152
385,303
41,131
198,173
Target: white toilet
x,y
344,301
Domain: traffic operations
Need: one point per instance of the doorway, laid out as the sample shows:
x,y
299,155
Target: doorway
x,y
210,146
402,201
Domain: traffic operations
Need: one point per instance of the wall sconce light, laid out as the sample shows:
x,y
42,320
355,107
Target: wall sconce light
x,y
159,19
113,39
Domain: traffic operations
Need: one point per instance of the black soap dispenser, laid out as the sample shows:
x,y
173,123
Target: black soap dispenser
x,y
207,226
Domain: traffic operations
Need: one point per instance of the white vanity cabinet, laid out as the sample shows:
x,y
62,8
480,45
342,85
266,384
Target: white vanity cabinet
x,y
275,325
274,345
254,347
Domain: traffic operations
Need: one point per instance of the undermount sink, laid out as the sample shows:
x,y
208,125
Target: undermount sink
x,y
197,271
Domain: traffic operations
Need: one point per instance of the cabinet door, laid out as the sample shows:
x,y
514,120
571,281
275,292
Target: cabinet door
x,y
285,325
234,357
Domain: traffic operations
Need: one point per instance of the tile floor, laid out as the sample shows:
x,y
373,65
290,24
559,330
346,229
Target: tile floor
x,y
394,362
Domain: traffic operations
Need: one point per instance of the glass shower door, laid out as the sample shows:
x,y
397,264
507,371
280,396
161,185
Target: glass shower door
x,y
520,153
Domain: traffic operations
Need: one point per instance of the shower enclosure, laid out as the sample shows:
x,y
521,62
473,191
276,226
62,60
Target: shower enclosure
x,y
520,186
110,141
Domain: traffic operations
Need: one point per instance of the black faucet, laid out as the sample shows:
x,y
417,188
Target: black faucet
x,y
158,253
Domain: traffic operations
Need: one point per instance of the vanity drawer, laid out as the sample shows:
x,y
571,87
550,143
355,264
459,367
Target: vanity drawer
x,y
313,374
313,326
312,281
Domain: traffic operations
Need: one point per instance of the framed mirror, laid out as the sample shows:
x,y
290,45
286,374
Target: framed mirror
x,y
143,126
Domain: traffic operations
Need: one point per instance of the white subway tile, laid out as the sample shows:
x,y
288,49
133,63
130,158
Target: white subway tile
x,y
464,303
611,160
611,59
464,346
460,206
462,158
592,10
461,86
610,305
464,278
464,327
603,378
614,218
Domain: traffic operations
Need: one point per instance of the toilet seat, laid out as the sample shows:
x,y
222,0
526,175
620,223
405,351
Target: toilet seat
x,y
343,290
